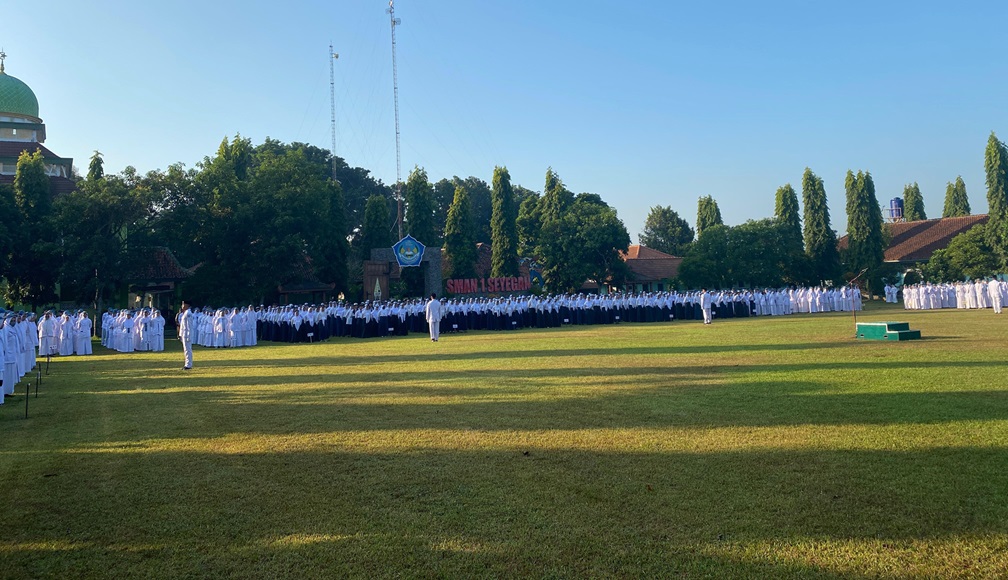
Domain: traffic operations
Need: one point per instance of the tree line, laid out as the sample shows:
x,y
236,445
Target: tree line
x,y
252,218
249,219
800,247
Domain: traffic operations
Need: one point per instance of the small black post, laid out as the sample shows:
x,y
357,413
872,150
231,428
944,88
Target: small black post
x,y
39,373
48,357
27,390
36,388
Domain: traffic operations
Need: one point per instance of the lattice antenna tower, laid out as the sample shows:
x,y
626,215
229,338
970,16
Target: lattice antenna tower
x,y
395,92
332,104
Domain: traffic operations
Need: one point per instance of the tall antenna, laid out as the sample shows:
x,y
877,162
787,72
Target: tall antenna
x,y
395,91
332,104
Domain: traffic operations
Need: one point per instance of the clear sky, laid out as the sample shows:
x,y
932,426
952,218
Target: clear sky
x,y
645,103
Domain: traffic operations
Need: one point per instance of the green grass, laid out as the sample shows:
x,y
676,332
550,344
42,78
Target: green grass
x,y
750,448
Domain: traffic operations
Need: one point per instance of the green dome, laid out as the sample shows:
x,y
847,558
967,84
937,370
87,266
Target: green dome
x,y
16,98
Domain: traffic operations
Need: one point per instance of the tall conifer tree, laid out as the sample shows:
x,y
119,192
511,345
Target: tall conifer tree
x,y
503,226
787,213
956,201
820,239
913,203
996,166
865,242
459,244
708,214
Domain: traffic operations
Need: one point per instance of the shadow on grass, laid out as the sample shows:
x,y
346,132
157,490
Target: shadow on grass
x,y
494,513
678,397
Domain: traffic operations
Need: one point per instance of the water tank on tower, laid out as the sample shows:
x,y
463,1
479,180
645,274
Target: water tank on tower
x,y
895,209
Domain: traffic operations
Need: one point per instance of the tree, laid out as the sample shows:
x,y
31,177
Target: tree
x,y
996,167
529,225
597,237
793,263
459,246
968,256
556,198
444,194
421,224
820,239
10,227
480,198
376,231
913,203
35,260
666,232
956,200
420,206
753,254
503,226
708,214
787,213
96,168
703,266
865,241
92,223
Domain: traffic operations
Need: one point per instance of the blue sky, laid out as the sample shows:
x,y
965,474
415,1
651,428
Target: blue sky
x,y
645,103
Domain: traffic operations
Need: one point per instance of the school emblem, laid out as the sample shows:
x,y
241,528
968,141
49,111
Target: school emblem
x,y
408,252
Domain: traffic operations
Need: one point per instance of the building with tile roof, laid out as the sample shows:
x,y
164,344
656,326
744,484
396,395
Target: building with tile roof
x,y
650,269
914,242
21,129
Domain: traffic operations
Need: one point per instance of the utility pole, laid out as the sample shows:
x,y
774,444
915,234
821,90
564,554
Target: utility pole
x,y
332,104
395,92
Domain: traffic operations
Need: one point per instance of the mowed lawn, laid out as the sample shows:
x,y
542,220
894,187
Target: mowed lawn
x,y
750,448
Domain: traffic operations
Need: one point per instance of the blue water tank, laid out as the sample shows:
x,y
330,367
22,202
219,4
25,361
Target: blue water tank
x,y
896,207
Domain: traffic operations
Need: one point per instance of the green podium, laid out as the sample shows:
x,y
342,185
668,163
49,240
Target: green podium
x,y
886,331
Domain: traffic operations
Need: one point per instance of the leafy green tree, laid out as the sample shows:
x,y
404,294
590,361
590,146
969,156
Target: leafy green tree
x,y
794,265
968,256
753,254
92,223
666,232
598,237
420,206
96,168
786,212
459,246
996,167
865,240
913,203
556,238
956,201
480,198
529,225
761,253
377,229
503,226
10,227
703,265
444,195
556,198
35,260
420,223
820,239
708,214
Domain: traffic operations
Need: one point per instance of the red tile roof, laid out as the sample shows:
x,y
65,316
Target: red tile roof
x,y
13,149
57,185
160,266
916,241
650,265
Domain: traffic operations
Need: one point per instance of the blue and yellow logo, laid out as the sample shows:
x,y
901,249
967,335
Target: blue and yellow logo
x,y
408,252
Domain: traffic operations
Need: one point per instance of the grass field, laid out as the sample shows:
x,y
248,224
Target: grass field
x,y
750,448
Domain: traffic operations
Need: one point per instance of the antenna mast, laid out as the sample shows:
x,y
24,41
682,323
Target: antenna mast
x,y
395,91
332,104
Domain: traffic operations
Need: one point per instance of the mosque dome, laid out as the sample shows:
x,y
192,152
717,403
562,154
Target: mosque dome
x,y
16,98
